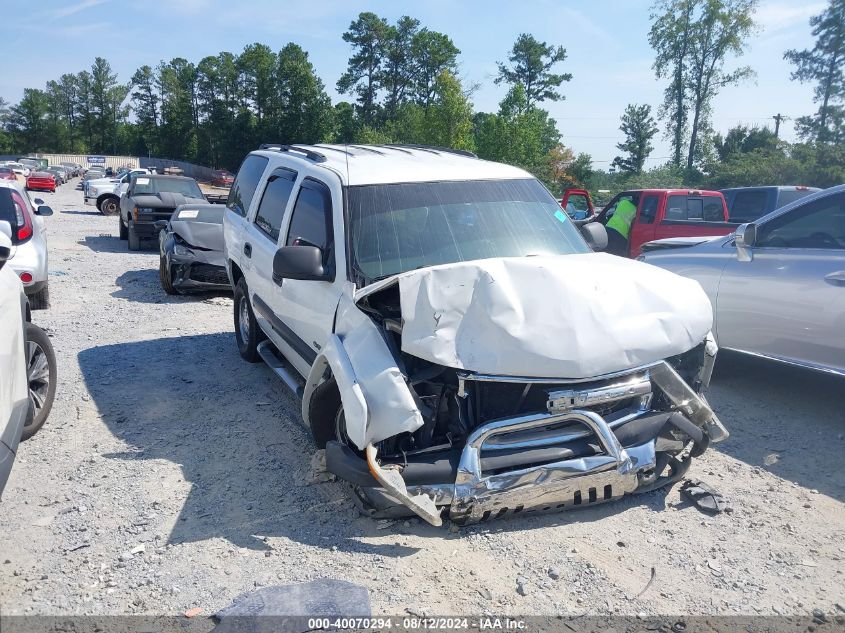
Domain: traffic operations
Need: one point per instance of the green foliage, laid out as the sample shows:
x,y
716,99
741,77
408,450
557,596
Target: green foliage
x,y
567,170
369,36
531,64
28,120
517,135
824,64
743,139
639,128
692,40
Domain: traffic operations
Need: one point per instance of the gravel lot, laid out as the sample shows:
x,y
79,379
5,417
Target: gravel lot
x,y
172,475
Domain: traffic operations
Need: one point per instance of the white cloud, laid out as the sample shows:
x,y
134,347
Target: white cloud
x,y
776,16
76,8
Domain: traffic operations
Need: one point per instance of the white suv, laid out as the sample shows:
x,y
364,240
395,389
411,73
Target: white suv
x,y
27,365
28,233
457,346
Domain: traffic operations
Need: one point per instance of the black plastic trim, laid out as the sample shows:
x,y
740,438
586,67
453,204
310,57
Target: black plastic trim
x,y
299,346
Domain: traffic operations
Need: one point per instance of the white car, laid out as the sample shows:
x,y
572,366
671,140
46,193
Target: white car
x,y
27,365
20,170
28,233
457,346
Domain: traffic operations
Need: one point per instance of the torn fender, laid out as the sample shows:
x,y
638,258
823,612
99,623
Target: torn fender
x,y
377,402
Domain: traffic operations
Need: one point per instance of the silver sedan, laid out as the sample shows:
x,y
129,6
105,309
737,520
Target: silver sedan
x,y
777,285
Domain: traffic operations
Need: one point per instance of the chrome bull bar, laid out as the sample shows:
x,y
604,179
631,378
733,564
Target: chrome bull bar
x,y
557,485
475,496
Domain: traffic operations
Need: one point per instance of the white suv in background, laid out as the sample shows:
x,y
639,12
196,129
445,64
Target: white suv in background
x,y
28,256
457,345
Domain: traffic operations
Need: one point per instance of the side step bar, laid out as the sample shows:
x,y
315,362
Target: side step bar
x,y
280,367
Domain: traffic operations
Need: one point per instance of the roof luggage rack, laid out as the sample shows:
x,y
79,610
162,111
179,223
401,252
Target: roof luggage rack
x,y
317,157
434,149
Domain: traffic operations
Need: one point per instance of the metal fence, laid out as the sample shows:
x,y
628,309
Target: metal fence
x,y
197,172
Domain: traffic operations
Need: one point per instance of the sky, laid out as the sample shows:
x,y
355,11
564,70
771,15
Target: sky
x,y
606,42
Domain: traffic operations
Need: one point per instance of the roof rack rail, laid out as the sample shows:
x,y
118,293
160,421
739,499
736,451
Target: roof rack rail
x,y
433,148
317,157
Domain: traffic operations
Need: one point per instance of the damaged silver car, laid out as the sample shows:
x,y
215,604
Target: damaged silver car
x,y
459,349
191,255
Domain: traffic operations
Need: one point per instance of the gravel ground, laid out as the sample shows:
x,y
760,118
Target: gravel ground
x,y
173,475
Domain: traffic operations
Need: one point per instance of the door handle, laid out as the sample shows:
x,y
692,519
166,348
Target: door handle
x,y
836,279
248,249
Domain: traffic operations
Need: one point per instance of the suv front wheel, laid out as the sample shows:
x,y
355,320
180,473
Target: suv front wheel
x,y
247,333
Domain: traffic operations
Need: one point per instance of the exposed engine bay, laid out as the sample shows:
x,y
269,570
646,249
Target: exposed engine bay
x,y
491,445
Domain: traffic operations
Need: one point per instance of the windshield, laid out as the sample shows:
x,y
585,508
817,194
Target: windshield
x,y
145,185
396,228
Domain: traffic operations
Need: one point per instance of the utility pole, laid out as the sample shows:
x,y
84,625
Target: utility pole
x,y
778,118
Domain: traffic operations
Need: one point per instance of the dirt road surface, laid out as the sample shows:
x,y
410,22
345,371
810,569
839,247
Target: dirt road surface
x,y
173,475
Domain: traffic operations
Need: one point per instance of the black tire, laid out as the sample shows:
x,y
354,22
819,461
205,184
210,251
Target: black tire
x,y
248,335
41,299
124,231
41,376
134,240
165,276
110,206
323,410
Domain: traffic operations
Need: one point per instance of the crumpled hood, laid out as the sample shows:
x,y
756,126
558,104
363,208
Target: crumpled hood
x,y
567,316
200,225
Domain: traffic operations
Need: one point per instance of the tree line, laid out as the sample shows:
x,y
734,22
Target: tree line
x,y
403,86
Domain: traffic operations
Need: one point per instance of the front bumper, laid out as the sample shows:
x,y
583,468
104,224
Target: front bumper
x,y
610,460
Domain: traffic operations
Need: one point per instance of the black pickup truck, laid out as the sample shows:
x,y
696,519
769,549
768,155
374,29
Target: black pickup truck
x,y
150,198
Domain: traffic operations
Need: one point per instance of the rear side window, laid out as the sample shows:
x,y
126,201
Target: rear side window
x,y
311,222
785,196
243,189
685,208
748,205
649,210
273,203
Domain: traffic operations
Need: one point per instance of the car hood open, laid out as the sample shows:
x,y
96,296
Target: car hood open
x,y
568,316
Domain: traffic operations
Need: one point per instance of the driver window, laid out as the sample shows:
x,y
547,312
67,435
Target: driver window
x,y
820,224
311,220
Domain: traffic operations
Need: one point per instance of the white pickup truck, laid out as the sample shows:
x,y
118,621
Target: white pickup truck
x,y
104,193
457,345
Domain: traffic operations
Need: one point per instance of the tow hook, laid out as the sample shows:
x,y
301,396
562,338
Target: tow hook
x,y
391,480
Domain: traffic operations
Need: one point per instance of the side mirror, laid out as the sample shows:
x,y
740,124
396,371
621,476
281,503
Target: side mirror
x,y
744,239
5,241
160,225
38,201
595,235
299,262
43,210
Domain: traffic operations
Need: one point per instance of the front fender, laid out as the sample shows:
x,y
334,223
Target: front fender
x,y
377,402
333,356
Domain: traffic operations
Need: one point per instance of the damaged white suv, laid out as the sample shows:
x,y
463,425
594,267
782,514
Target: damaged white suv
x,y
458,347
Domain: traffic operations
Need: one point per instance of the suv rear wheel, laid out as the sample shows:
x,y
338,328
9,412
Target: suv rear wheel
x,y
247,333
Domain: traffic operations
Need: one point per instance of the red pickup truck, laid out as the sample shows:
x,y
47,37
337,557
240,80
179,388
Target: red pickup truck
x,y
663,213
